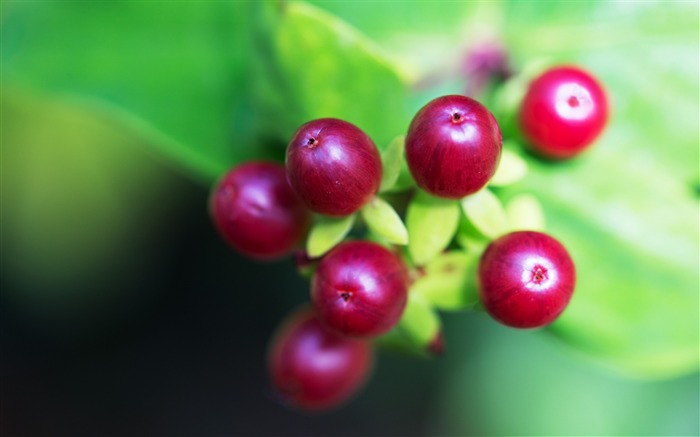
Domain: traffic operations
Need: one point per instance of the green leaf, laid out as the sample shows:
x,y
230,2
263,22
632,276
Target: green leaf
x,y
326,233
316,65
78,191
418,328
511,169
208,84
449,281
426,38
404,181
392,158
635,248
524,212
178,76
486,213
431,224
383,220
419,322
627,209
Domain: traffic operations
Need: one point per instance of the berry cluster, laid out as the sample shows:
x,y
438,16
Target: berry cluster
x,y
366,289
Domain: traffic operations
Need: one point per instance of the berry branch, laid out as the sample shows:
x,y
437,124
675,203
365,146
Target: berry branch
x,y
429,231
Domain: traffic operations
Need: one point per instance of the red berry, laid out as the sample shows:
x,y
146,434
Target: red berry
x,y
312,368
485,62
453,146
526,279
360,289
255,210
564,111
333,166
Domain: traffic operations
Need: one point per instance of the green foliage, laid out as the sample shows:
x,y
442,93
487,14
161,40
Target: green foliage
x,y
313,65
485,212
418,328
449,281
511,169
177,76
383,220
626,210
431,223
525,213
75,186
208,84
326,233
420,323
392,158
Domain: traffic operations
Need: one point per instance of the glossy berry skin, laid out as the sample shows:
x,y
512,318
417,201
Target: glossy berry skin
x,y
313,368
564,110
333,166
453,146
360,289
526,279
255,210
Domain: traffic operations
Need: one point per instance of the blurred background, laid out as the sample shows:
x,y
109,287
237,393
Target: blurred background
x,y
123,313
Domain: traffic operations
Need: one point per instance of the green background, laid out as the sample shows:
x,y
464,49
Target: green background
x,y
118,116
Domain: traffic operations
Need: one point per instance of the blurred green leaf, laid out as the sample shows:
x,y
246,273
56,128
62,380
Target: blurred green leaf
x,y
485,211
524,212
431,224
628,208
625,209
511,169
208,84
392,158
78,215
449,281
427,39
326,233
420,323
636,261
315,65
404,181
383,220
178,75
419,326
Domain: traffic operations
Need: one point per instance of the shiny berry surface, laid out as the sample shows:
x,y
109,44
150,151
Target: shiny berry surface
x,y
526,279
360,289
453,146
255,210
564,110
312,368
333,166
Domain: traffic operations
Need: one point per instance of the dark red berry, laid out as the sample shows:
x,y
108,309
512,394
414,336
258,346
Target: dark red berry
x,y
256,211
526,279
312,368
333,166
563,112
360,289
453,146
485,62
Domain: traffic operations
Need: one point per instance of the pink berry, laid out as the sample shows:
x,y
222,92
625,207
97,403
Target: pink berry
x,y
564,111
312,368
526,279
333,166
360,289
453,146
255,210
